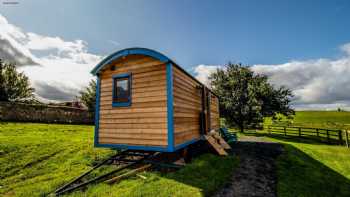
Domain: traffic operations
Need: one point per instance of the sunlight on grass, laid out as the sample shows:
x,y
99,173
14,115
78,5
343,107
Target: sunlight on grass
x,y
313,169
320,119
38,158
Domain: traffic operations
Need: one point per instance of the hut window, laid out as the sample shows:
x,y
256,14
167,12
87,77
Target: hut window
x,y
121,90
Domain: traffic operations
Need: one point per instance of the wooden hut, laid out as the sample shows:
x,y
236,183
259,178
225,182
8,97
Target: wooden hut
x,y
145,101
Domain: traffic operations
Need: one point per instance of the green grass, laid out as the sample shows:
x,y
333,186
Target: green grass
x,y
318,169
37,158
309,167
313,170
321,119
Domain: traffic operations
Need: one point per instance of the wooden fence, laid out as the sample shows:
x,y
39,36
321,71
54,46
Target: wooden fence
x,y
330,135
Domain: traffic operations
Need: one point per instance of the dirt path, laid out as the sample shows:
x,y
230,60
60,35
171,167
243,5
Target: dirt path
x,y
256,173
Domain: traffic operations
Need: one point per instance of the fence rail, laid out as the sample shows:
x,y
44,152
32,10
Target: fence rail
x,y
330,135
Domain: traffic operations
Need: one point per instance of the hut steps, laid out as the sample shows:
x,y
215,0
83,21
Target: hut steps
x,y
219,144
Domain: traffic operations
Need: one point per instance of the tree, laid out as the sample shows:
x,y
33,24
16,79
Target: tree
x,y
14,86
88,95
246,98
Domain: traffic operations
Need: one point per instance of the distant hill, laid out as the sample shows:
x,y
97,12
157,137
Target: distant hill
x,y
322,119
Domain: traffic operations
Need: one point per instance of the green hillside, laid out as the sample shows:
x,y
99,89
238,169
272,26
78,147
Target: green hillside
x,y
328,119
322,117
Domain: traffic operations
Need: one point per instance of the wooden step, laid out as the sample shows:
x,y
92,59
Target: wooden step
x,y
217,147
222,142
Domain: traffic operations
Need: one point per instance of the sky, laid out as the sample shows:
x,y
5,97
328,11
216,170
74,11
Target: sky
x,y
303,45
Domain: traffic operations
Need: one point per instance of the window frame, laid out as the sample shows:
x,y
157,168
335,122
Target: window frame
x,y
121,103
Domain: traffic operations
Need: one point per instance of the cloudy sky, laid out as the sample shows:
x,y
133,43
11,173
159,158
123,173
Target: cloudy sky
x,y
302,45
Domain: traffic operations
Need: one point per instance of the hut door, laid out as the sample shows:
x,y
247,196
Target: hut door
x,y
205,114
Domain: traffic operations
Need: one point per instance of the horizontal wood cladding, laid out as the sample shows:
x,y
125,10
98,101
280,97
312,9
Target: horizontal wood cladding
x,y
187,107
214,112
144,122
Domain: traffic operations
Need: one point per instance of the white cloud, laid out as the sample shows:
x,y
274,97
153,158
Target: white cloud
x,y
202,72
346,48
317,84
65,65
11,43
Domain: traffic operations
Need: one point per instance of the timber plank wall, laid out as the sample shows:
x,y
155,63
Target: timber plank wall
x,y
214,112
187,107
144,122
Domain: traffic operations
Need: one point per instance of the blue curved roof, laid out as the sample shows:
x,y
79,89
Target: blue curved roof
x,y
129,51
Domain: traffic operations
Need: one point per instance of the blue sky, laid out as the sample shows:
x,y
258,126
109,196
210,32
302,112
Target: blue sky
x,y
272,33
195,32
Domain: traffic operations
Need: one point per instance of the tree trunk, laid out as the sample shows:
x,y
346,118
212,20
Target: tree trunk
x,y
241,128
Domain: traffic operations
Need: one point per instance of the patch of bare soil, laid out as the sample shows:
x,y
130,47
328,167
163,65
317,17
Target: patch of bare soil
x,y
256,173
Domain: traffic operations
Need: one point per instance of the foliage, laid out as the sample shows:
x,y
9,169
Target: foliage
x,y
38,158
246,98
88,96
14,86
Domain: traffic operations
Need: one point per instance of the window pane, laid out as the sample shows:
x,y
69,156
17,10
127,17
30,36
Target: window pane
x,y
122,89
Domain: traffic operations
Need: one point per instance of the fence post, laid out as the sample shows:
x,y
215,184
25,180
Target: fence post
x,y
347,138
327,136
299,131
340,137
318,133
285,130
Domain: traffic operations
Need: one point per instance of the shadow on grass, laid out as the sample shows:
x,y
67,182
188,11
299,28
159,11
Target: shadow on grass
x,y
301,175
298,174
202,177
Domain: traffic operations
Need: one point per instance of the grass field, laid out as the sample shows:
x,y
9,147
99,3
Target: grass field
x,y
323,119
307,168
311,169
37,158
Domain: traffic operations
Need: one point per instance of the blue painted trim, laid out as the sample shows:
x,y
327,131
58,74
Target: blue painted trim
x,y
129,51
97,111
134,147
170,106
122,75
122,104
183,145
139,51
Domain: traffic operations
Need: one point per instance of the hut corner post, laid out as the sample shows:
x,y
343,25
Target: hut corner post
x,y
97,110
170,107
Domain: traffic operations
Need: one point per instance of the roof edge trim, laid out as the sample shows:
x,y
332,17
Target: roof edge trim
x,y
129,51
